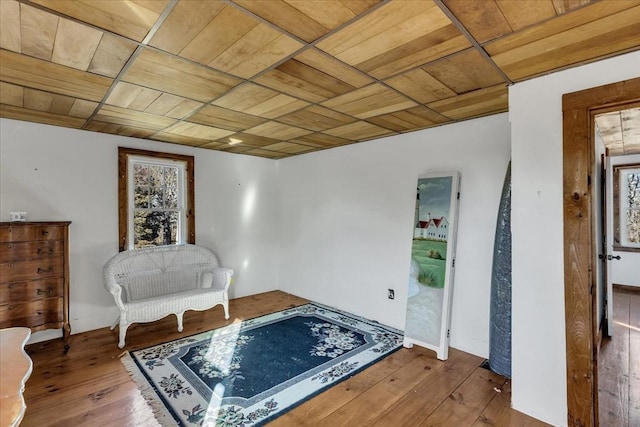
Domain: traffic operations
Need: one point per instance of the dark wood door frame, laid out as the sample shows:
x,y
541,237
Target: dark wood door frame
x,y
579,109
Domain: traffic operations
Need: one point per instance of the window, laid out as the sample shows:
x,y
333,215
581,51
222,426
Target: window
x,y
155,198
626,207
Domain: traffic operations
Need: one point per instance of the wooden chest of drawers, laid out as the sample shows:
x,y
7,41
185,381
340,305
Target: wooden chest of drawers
x,y
34,276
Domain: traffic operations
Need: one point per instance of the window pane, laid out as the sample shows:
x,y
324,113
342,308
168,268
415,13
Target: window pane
x,y
156,177
171,176
633,226
173,219
633,190
141,197
140,174
155,228
171,197
155,198
171,187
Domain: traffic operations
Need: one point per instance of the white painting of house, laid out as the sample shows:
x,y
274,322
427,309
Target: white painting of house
x,y
432,228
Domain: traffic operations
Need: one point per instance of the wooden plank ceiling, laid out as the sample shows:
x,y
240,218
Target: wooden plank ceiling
x,y
276,78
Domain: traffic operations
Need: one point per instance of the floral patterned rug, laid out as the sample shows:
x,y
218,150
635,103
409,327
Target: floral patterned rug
x,y
248,373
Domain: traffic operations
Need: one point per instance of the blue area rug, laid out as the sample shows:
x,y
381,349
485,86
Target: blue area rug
x,y
248,373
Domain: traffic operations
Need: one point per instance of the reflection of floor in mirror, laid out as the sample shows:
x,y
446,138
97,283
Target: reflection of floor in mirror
x,y
424,315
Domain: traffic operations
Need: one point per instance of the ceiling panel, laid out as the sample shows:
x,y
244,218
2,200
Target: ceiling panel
x,y
225,119
421,86
281,131
322,140
317,118
131,18
37,32
314,77
223,37
305,19
289,148
118,129
19,113
111,55
33,99
359,130
480,102
409,120
465,71
190,139
36,73
396,37
373,100
259,101
10,32
194,130
599,30
240,139
139,98
276,78
177,76
127,117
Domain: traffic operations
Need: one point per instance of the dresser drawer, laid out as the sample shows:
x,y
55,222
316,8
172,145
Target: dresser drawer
x,y
20,233
31,314
30,291
31,270
23,251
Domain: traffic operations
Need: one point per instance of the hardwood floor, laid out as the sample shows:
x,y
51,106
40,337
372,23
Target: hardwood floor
x,y
90,387
619,363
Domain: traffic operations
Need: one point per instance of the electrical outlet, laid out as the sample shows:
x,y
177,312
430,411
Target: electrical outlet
x,y
391,294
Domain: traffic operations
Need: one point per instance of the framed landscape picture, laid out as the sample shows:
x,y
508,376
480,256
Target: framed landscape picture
x,y
432,262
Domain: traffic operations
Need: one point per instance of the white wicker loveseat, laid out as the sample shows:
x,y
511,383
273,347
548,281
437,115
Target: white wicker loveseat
x,y
151,283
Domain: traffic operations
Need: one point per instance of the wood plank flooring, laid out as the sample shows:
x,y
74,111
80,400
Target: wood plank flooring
x,y
90,387
619,363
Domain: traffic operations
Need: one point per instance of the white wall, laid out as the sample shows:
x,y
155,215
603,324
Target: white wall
x,y
626,270
538,322
65,174
346,222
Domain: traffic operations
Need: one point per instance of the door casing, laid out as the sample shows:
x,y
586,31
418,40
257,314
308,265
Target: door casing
x,y
581,329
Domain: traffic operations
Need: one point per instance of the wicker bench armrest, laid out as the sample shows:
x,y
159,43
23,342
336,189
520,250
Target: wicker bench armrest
x,y
222,278
116,291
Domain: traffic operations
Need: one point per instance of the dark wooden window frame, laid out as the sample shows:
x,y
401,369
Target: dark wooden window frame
x,y
581,329
123,197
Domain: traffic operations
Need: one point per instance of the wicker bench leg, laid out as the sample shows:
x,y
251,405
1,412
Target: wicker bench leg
x,y
226,309
179,317
123,333
115,323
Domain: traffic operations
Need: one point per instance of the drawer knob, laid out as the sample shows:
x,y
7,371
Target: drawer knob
x,y
43,271
48,291
45,233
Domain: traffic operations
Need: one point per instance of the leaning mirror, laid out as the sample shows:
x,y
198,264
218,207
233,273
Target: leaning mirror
x,y
626,207
432,262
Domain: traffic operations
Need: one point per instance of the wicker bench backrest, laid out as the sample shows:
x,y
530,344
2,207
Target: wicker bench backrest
x,y
161,270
